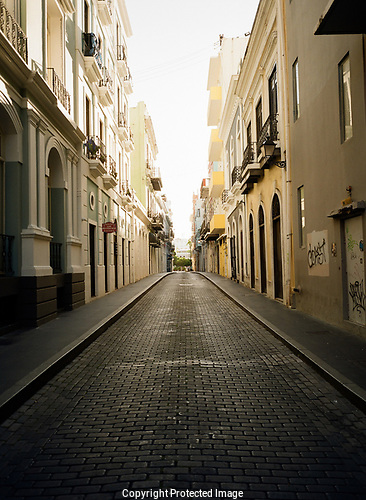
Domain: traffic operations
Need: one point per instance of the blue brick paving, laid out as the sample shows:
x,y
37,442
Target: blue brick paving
x,y
185,395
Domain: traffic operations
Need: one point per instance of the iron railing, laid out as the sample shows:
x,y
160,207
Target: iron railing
x,y
126,189
249,155
112,167
58,88
6,254
224,195
269,131
13,32
121,53
91,48
106,80
95,149
122,120
55,257
235,175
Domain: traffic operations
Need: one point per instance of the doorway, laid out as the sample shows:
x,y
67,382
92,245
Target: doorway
x,y
277,248
251,251
262,250
92,258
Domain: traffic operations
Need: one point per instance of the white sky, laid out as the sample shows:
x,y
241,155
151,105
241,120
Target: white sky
x,y
168,56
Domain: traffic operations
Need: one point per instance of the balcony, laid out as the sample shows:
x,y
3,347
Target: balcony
x,y
269,132
154,240
106,88
96,153
126,193
59,89
156,220
224,196
110,179
217,184
236,179
92,57
13,32
217,224
129,144
127,82
105,11
122,126
155,178
204,188
122,61
215,146
6,255
214,106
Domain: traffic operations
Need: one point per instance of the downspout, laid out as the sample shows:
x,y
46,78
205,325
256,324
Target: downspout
x,y
289,274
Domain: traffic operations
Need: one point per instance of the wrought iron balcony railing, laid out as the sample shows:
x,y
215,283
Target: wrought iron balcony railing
x,y
55,257
13,32
249,155
121,53
106,80
58,88
112,167
95,149
269,131
126,189
122,120
235,175
224,195
91,48
6,254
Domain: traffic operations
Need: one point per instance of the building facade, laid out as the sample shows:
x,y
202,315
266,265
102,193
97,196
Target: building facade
x,y
70,221
327,129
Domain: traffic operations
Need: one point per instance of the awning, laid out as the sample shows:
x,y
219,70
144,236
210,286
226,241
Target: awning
x,y
351,210
342,17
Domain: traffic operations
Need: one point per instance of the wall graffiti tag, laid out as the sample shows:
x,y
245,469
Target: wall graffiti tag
x,y
318,253
355,270
357,293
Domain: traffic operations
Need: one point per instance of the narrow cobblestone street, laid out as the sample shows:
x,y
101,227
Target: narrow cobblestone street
x,y
185,392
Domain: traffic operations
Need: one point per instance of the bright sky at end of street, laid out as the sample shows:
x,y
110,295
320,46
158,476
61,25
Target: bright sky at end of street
x,y
168,55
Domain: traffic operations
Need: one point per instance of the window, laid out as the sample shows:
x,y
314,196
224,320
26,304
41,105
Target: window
x,y
258,118
301,215
86,17
87,116
273,101
344,73
238,142
295,90
249,134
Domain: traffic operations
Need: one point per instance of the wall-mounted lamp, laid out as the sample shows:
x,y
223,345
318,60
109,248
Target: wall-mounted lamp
x,y
268,150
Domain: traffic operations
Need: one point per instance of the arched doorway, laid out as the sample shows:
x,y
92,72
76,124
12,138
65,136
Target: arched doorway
x,y
241,249
251,251
233,253
277,248
262,250
56,211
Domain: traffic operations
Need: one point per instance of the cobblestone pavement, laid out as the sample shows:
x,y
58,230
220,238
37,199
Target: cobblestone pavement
x,y
185,397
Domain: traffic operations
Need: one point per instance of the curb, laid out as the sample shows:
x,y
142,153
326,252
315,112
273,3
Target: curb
x,y
349,389
13,398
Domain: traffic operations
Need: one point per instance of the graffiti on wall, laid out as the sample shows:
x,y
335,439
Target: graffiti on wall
x,y
355,270
318,253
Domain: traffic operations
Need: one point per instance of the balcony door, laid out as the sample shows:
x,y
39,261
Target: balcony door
x,y
56,211
273,90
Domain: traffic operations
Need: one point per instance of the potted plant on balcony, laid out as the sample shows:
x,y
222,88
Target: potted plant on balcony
x,y
91,148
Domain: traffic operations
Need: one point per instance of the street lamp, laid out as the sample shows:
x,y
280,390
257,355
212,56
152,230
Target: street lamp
x,y
267,151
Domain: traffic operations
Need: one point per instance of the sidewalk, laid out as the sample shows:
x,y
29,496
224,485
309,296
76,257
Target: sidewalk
x,y
30,357
338,355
